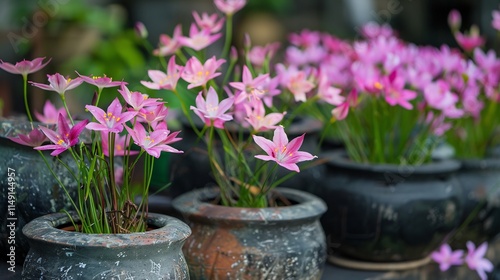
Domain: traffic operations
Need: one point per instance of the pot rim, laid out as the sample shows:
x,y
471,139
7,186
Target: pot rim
x,y
480,163
339,158
191,205
44,229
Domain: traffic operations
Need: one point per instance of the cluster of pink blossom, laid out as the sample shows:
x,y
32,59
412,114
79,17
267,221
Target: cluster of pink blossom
x,y
474,259
444,80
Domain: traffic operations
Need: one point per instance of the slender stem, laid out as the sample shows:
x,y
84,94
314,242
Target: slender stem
x,y
26,105
63,98
111,173
229,35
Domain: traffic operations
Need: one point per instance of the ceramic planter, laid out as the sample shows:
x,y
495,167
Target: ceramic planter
x,y
61,254
36,191
388,213
254,243
480,183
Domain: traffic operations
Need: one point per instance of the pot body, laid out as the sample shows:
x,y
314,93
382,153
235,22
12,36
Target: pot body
x,y
480,183
61,254
35,190
387,213
254,243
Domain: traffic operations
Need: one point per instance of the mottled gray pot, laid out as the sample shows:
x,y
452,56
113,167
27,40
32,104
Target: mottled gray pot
x,y
36,191
61,254
254,243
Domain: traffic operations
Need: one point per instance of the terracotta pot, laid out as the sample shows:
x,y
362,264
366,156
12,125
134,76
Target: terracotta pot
x,y
254,243
61,254
388,213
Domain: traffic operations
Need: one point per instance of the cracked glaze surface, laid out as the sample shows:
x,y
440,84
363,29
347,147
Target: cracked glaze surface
x,y
60,254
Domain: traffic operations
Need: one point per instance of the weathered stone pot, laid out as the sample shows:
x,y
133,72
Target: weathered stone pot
x,y
35,190
254,243
480,183
61,254
388,213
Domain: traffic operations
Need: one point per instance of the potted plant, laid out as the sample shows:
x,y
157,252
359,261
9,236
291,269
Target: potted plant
x,y
243,225
473,82
112,233
390,204
33,185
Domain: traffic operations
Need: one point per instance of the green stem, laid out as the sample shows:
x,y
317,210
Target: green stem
x,y
229,35
63,98
26,105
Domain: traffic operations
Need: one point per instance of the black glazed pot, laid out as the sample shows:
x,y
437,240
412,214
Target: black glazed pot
x,y
388,213
480,183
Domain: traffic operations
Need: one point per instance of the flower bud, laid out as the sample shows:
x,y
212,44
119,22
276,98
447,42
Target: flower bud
x,y
233,55
454,19
140,30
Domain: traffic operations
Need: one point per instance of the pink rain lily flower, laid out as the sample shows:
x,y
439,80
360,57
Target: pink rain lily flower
x,y
258,54
172,137
64,138
50,113
101,82
169,45
197,74
470,41
153,114
208,22
120,145
250,88
476,261
162,80
445,257
373,30
295,80
340,112
229,7
281,151
136,100
211,111
327,92
198,39
299,85
153,143
258,119
59,84
395,93
112,120
24,67
33,139
439,96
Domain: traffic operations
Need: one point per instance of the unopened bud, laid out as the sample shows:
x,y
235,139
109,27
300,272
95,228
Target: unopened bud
x,y
454,19
233,55
140,30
